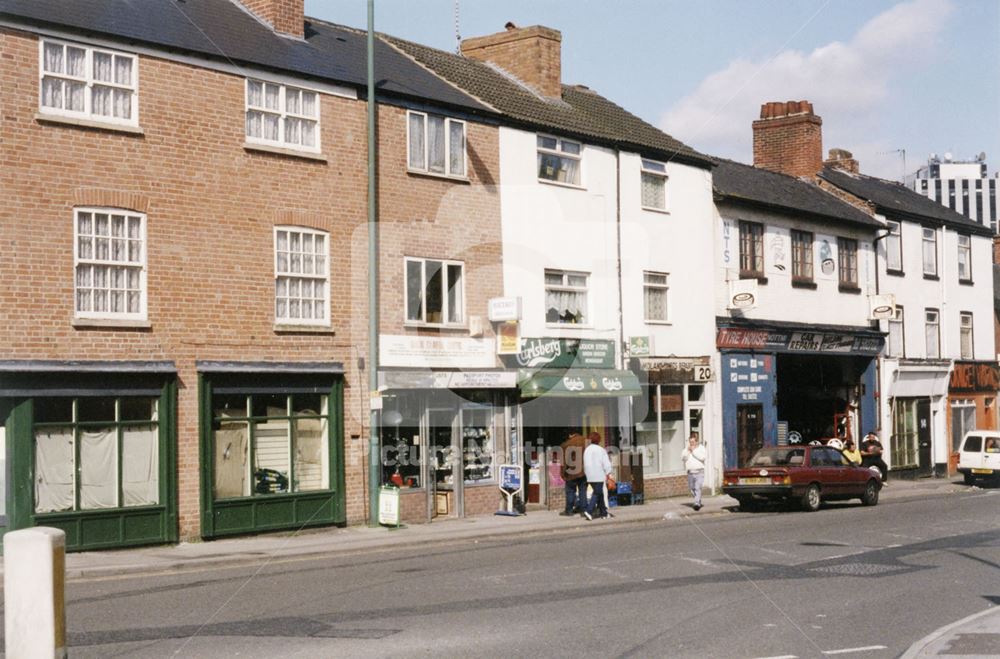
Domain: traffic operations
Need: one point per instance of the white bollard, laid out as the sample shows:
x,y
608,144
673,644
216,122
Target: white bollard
x,y
33,591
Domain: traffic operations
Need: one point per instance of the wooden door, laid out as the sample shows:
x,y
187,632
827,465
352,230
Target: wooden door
x,y
749,432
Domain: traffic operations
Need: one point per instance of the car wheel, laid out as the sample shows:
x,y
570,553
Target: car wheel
x,y
967,478
870,497
811,499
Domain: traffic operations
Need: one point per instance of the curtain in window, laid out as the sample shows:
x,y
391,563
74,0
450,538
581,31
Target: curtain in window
x,y
123,71
102,67
454,293
416,137
308,133
272,96
98,469
931,331
309,104
255,94
140,466
436,144
54,470
456,161
930,256
656,303
52,58
100,101
312,455
565,306
569,171
654,191
52,93
895,338
123,103
231,441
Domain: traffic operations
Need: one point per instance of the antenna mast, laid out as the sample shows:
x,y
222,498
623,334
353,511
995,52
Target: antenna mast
x,y
458,34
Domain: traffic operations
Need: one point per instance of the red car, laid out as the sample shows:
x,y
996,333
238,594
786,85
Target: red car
x,y
807,474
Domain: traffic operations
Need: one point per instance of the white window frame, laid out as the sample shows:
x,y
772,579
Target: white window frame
x,y
565,286
936,325
964,250
898,322
289,274
928,237
894,247
283,115
657,170
90,82
966,335
426,169
663,286
93,261
559,152
445,302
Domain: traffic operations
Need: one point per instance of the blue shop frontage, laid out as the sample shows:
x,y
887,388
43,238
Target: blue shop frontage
x,y
791,383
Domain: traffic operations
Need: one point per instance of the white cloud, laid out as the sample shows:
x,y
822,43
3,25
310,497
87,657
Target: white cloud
x,y
848,84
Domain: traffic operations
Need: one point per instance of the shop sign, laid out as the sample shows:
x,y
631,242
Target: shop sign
x,y
565,353
504,308
639,346
969,377
734,337
435,352
448,380
510,478
509,338
483,380
749,376
678,370
388,506
780,341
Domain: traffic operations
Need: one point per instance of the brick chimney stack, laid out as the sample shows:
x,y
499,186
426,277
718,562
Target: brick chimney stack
x,y
531,54
842,159
285,16
788,138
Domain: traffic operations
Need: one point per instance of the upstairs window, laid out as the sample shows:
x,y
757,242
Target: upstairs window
x,y
655,297
435,292
896,346
751,250
964,258
91,83
930,252
847,255
110,264
301,276
932,333
566,297
654,185
802,256
278,115
559,160
965,334
436,145
894,248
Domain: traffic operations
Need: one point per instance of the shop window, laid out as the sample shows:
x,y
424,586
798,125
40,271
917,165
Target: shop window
x,y
896,345
110,264
478,444
930,252
270,444
904,438
965,334
751,249
301,276
435,144
964,258
95,453
566,297
802,256
435,292
963,419
279,115
655,297
90,83
654,185
558,160
894,247
662,433
932,334
847,255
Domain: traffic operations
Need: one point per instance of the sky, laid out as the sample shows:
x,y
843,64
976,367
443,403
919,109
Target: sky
x,y
887,77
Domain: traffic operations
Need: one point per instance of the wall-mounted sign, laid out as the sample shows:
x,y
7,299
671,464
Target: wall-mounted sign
x,y
678,370
971,377
882,307
640,346
504,308
564,353
739,338
447,379
742,293
435,352
509,338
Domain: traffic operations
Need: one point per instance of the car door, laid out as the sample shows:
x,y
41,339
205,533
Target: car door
x,y
991,454
971,454
824,470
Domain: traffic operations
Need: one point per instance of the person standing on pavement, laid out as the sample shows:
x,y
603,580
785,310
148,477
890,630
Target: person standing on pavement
x,y
596,466
694,458
871,456
573,474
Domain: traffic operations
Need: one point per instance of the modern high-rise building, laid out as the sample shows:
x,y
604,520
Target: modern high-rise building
x,y
961,185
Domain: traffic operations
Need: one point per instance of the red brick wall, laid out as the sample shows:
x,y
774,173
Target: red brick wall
x,y
532,54
211,211
286,16
788,138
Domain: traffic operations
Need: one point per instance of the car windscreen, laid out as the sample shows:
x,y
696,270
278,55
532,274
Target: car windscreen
x,y
777,457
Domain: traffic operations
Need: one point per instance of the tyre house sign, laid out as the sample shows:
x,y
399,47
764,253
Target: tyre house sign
x,y
795,341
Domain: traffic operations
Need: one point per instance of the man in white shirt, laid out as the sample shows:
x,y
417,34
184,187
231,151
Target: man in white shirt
x,y
694,458
596,466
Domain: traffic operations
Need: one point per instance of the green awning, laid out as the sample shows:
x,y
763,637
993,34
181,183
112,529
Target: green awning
x,y
577,382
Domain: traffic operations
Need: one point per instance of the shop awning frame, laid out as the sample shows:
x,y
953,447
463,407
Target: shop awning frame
x,y
574,383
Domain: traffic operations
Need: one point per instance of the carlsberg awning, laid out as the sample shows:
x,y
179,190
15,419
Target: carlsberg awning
x,y
578,382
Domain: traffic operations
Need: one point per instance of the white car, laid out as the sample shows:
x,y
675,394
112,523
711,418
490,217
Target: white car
x,y
979,456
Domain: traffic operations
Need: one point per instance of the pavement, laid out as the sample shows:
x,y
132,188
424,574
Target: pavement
x,y
978,635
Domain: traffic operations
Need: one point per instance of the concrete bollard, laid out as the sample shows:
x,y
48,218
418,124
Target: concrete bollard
x,y
33,591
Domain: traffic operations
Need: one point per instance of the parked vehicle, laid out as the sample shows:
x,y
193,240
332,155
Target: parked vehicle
x,y
806,474
979,456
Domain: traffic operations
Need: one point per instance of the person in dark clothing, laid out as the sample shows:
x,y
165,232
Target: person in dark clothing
x,y
871,455
572,473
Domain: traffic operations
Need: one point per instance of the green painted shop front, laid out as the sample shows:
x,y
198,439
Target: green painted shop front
x,y
90,449
272,446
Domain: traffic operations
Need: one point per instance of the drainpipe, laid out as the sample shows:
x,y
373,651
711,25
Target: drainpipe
x,y
878,359
373,315
624,407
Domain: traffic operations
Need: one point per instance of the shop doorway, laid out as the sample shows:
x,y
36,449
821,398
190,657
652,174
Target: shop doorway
x,y
445,460
749,432
819,395
924,459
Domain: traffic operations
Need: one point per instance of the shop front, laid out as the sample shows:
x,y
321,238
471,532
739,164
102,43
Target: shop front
x,y
972,396
785,384
89,447
917,394
272,446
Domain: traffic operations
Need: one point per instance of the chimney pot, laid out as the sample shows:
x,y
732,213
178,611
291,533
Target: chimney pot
x,y
788,138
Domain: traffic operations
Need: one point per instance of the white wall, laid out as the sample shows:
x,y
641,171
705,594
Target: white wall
x,y
778,299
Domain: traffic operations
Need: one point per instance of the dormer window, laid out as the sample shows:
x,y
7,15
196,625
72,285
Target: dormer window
x,y
559,160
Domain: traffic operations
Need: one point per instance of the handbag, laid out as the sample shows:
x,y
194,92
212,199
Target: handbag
x,y
611,484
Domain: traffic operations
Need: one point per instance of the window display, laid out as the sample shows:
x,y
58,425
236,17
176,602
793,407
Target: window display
x,y
477,443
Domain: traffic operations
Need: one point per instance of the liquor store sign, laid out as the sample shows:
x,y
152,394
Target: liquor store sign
x,y
564,353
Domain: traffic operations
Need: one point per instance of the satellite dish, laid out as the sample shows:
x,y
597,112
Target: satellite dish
x,y
947,157
982,156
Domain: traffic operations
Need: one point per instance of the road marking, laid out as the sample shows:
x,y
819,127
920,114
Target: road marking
x,y
782,656
699,561
867,648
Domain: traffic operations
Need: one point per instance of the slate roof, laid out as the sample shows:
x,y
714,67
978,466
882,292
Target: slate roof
x,y
223,30
898,202
581,112
750,185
